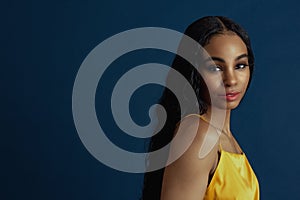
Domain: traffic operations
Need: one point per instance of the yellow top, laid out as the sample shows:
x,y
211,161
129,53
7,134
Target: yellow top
x,y
233,179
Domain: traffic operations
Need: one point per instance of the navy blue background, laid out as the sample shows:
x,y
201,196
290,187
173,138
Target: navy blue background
x,y
43,46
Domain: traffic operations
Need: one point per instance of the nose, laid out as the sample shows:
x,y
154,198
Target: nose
x,y
229,78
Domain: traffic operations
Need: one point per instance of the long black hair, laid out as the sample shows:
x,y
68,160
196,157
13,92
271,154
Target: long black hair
x,y
202,30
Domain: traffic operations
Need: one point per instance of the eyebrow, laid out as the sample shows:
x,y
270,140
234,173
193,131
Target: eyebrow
x,y
223,61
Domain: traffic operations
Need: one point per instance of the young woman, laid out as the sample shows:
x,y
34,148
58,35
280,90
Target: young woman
x,y
214,166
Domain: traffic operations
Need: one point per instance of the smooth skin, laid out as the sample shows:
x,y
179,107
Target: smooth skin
x,y
187,178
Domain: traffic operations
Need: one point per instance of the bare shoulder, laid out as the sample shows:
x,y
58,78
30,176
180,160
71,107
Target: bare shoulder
x,y
187,177
202,134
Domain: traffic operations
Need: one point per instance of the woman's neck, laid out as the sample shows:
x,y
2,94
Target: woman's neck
x,y
220,119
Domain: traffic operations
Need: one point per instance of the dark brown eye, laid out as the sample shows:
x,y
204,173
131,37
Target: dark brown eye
x,y
241,66
214,68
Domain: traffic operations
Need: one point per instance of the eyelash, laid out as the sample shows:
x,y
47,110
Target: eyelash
x,y
244,66
216,68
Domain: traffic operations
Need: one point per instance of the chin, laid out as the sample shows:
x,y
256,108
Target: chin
x,y
227,105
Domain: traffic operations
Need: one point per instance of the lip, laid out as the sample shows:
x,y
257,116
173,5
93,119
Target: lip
x,y
230,96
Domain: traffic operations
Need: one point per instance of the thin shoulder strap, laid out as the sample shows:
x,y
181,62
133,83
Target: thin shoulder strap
x,y
220,146
219,133
191,115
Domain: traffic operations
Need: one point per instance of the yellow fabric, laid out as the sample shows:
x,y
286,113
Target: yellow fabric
x,y
233,179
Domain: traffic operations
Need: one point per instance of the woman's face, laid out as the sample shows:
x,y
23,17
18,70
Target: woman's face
x,y
227,72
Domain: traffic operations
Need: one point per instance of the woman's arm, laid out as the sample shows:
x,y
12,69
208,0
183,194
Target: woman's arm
x,y
187,177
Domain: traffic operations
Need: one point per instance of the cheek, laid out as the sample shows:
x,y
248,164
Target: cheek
x,y
246,78
213,89
213,81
